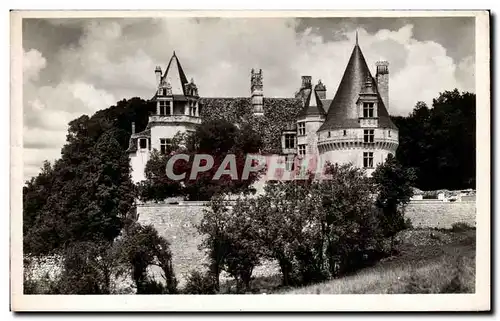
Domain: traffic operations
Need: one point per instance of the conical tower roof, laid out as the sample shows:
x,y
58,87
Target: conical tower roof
x,y
174,76
312,105
342,112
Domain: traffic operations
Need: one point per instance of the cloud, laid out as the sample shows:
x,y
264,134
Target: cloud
x,y
33,63
116,58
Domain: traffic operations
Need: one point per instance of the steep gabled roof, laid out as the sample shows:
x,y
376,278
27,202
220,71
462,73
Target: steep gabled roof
x,y
174,75
312,105
342,110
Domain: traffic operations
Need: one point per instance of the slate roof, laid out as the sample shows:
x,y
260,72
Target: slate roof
x,y
341,112
278,114
174,74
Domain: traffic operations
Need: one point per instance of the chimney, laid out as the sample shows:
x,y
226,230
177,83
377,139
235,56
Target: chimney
x,y
320,89
158,74
133,128
306,82
383,81
257,92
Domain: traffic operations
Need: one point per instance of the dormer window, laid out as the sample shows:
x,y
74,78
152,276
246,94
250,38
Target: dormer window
x,y
143,143
368,110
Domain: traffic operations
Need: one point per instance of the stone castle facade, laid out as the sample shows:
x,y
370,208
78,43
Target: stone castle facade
x,y
353,127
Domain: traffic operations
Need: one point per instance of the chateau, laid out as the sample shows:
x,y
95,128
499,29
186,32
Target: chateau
x,y
353,127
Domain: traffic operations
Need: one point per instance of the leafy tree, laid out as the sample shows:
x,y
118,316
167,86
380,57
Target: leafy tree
x,y
243,251
440,142
213,226
394,190
141,247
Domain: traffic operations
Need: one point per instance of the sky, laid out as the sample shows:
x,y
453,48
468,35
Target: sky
x,y
75,66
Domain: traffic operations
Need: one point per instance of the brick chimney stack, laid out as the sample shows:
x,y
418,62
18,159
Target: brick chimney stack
x,y
257,92
306,82
158,74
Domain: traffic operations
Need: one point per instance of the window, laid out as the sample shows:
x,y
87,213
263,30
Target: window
x,y
302,129
289,141
329,134
389,133
164,107
345,132
368,135
143,143
289,163
192,108
302,149
368,159
367,110
165,145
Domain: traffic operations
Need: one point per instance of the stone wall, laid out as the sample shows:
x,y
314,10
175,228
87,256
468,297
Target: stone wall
x,y
440,214
177,223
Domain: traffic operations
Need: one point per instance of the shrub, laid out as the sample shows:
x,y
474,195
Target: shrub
x,y
200,283
461,227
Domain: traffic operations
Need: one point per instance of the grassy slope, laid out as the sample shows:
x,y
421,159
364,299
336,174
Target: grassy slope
x,y
429,262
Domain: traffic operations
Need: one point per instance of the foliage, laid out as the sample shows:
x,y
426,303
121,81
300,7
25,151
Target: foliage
x,y
88,268
200,283
277,113
313,229
88,193
213,227
461,227
394,189
217,138
440,142
142,247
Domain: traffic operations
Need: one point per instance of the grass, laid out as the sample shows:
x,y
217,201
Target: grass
x,y
430,268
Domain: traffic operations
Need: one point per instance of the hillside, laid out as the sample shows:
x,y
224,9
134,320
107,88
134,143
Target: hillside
x,y
430,261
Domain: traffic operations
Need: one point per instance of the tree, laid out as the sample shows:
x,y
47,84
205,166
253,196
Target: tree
x,y
243,251
440,142
394,190
141,247
213,225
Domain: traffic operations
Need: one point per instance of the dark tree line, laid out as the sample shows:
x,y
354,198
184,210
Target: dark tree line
x,y
81,209
440,142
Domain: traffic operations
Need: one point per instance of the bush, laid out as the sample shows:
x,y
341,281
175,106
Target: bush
x,y
200,283
461,227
